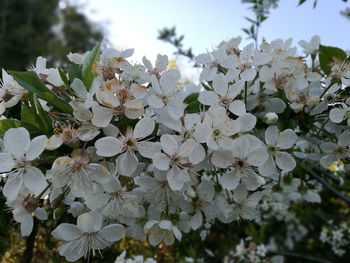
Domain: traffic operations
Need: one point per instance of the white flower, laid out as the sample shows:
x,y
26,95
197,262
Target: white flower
x,y
24,211
245,155
178,158
160,66
11,88
244,206
16,160
277,141
87,236
77,173
125,146
216,129
311,48
165,96
162,231
336,151
338,115
204,204
224,95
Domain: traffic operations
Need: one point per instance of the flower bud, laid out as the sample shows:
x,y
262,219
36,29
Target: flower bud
x,y
270,118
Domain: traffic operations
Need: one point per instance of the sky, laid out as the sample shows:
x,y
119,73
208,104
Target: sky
x,y
205,23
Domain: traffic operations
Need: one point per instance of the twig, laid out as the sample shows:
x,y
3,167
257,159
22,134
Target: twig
x,y
329,187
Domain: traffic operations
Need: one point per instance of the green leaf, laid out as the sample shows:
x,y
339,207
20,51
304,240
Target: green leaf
x,y
87,71
74,72
301,2
192,97
7,124
34,118
31,82
63,76
44,119
328,55
30,120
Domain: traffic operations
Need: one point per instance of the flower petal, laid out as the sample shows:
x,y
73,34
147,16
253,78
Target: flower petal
x,y
285,161
67,232
144,128
286,139
108,146
6,162
34,180
36,147
16,141
112,233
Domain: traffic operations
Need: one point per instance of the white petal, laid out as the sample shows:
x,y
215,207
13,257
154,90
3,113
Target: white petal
x,y
144,128
344,139
112,233
240,194
108,146
102,116
67,232
208,98
247,121
127,163
16,141
148,149
53,143
177,178
229,181
12,186
6,162
268,169
40,213
169,144
90,222
237,107
285,161
27,226
36,147
34,180
271,135
155,102
248,74
161,161
99,173
336,115
286,139
222,159
258,157
79,88
196,220
328,147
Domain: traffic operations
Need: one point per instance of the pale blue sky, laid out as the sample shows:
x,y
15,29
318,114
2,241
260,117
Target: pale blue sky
x,y
135,23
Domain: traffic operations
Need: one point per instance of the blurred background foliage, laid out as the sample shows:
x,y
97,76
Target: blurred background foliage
x,y
48,28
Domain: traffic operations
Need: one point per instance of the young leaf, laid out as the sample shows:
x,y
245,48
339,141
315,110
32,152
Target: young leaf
x,y
31,82
7,124
328,55
192,97
91,58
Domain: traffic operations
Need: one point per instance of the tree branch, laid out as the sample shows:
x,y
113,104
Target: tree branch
x,y
30,241
329,187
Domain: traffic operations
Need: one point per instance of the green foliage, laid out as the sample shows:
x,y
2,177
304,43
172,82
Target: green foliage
x,y
7,124
31,82
329,55
169,35
34,118
88,66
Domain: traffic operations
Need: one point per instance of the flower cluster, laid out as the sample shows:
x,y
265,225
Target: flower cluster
x,y
130,155
336,236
